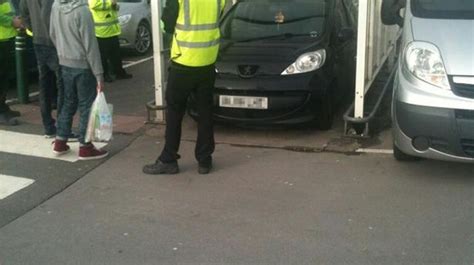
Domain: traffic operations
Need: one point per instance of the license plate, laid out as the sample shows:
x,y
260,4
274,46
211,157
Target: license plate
x,y
243,102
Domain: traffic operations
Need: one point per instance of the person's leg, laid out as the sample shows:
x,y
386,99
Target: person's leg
x,y
116,59
47,86
204,102
105,56
87,92
53,65
177,91
70,103
6,67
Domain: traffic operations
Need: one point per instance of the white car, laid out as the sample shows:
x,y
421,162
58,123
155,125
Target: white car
x,y
135,20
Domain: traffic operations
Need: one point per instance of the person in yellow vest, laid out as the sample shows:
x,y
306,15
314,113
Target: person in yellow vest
x,y
107,30
8,25
195,24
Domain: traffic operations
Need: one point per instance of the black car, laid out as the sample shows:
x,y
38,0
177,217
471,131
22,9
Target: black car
x,y
285,62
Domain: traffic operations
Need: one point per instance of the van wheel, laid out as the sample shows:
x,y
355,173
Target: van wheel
x,y
402,157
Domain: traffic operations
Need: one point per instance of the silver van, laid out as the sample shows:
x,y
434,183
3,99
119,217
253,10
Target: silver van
x,y
433,97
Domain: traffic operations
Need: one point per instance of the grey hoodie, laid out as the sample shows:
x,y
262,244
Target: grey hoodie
x,y
36,15
72,32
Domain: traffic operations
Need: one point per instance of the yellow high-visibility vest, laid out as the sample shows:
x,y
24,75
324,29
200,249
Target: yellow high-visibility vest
x,y
105,18
197,36
7,32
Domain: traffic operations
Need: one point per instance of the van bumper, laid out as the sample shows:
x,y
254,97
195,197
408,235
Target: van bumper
x,y
422,129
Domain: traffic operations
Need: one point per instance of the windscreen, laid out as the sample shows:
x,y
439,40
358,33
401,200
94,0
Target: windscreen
x,y
449,9
253,19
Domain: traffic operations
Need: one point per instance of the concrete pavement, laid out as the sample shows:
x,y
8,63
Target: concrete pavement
x,y
259,206
263,204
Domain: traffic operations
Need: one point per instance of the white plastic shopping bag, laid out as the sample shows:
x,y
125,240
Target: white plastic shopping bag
x,y
100,126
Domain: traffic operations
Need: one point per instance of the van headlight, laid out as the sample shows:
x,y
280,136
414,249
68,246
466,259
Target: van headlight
x,y
423,60
124,19
307,62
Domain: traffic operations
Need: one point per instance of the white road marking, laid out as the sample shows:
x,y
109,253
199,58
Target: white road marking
x,y
375,151
138,62
10,185
36,145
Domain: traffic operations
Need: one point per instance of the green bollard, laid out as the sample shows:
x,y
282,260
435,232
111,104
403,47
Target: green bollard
x,y
21,75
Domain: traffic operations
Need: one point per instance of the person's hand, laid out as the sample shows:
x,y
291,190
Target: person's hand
x,y
17,23
100,86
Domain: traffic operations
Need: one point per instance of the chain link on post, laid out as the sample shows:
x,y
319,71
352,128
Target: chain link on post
x,y
21,74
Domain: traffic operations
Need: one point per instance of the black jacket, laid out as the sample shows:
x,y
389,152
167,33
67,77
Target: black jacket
x,y
170,15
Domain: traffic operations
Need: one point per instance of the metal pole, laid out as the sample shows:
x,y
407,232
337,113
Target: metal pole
x,y
157,57
361,58
21,76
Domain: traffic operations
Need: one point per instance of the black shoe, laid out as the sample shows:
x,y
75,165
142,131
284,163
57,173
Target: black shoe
x,y
204,168
161,168
13,113
124,76
6,119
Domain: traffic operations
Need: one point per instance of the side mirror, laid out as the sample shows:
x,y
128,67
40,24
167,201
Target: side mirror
x,y
391,12
345,34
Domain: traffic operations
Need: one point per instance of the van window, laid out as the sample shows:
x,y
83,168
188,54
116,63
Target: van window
x,y
448,9
256,19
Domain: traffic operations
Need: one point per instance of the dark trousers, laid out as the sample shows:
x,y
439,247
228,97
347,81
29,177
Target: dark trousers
x,y
182,81
51,85
80,90
110,52
7,68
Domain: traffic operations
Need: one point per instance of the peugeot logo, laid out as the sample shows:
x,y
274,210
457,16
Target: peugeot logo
x,y
248,71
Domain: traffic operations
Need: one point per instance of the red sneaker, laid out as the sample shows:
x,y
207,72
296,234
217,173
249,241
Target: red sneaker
x,y
89,152
60,147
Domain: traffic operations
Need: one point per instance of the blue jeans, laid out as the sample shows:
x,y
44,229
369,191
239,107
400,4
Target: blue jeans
x,y
49,80
80,90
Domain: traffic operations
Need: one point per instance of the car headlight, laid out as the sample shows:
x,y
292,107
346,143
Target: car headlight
x,y
124,19
424,61
307,62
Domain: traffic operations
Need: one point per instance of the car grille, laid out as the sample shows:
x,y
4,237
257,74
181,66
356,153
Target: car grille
x,y
439,144
465,114
468,146
462,90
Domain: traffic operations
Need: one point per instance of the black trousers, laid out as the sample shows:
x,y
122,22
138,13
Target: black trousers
x,y
110,52
182,81
7,68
